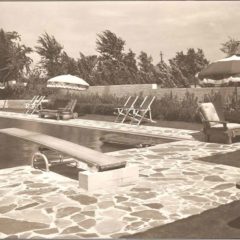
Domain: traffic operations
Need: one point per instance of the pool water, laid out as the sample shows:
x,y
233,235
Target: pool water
x,y
16,152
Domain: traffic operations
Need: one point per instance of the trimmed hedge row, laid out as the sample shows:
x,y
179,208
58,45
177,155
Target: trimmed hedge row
x,y
169,107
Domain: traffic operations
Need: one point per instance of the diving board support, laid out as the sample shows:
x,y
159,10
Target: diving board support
x,y
107,180
43,156
40,156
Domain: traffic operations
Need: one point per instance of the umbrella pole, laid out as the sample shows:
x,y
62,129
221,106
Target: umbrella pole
x,y
236,92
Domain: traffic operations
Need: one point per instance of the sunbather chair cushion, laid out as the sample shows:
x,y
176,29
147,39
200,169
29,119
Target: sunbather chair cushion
x,y
48,111
209,113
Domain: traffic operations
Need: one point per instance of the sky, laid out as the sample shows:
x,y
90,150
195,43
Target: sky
x,y
150,26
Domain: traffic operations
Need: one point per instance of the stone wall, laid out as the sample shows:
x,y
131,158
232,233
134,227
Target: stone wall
x,y
152,89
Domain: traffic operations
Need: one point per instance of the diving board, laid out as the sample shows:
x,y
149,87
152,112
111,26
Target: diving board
x,y
105,171
100,161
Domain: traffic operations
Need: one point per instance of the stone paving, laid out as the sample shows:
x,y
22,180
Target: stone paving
x,y
173,184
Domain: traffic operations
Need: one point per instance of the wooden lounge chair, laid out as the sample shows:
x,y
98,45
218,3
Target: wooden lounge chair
x,y
68,111
65,113
142,113
35,105
213,126
122,112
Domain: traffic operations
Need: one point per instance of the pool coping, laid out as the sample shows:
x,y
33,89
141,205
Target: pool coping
x,y
79,124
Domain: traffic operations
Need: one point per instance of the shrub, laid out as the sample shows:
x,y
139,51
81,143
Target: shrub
x,y
168,107
188,108
85,108
104,109
88,108
171,108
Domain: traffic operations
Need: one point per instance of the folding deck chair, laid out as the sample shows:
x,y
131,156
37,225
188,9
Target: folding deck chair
x,y
28,104
125,104
143,112
5,104
35,104
213,126
123,111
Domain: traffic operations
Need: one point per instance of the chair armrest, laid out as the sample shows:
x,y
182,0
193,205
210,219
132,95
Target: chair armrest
x,y
221,122
215,121
124,108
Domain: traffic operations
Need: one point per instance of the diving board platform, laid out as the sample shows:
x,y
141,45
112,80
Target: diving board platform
x,y
101,166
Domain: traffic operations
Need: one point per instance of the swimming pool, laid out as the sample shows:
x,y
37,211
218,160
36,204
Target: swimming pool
x,y
15,152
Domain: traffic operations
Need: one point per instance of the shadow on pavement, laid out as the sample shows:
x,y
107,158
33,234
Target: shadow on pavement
x,y
230,159
220,222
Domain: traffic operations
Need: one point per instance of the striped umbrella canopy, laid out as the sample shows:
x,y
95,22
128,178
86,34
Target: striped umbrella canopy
x,y
219,82
68,82
224,70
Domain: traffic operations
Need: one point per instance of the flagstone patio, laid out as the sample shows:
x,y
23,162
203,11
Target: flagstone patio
x,y
173,184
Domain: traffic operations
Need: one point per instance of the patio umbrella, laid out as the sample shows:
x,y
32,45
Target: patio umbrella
x,y
222,69
68,82
221,72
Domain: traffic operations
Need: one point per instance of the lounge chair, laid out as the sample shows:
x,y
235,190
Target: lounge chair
x,y
34,105
123,111
31,101
65,113
213,126
124,105
29,104
142,113
68,111
5,104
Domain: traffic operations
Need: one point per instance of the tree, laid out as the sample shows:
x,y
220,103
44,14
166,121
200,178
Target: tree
x,y
178,77
146,68
51,54
231,47
14,62
87,68
130,67
112,67
188,64
165,76
68,64
109,45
